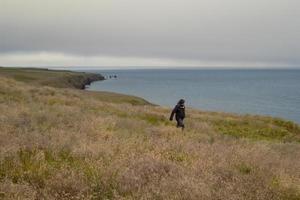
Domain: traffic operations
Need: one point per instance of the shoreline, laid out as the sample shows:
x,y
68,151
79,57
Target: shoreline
x,y
207,110
80,80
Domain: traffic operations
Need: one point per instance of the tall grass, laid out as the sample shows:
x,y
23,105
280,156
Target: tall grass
x,y
72,144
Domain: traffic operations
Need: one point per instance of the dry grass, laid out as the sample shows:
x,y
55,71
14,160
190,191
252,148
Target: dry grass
x,y
72,144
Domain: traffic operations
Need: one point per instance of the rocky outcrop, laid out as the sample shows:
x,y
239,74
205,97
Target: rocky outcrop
x,y
80,82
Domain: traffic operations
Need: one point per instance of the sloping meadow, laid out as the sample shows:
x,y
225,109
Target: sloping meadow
x,y
59,143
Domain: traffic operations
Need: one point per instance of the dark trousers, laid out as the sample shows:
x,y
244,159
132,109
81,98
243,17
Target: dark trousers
x,y
180,123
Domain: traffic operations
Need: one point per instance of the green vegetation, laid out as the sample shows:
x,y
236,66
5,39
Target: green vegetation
x,y
258,128
58,142
55,78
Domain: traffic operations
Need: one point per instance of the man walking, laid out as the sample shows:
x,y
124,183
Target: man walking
x,y
179,112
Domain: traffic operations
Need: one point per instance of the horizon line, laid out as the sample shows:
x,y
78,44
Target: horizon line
x,y
162,67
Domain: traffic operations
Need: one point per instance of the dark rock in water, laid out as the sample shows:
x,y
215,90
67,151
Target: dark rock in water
x,y
111,76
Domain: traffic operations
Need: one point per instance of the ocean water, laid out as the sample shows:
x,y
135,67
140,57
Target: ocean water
x,y
267,92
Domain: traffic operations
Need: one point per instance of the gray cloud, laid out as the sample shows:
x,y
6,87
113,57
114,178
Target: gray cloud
x,y
250,31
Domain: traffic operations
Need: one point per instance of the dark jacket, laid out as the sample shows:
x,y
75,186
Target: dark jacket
x,y
178,111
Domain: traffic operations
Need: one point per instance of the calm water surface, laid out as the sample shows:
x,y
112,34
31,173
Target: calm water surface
x,y
267,92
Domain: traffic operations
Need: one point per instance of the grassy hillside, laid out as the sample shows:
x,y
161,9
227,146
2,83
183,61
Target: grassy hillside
x,y
64,143
55,78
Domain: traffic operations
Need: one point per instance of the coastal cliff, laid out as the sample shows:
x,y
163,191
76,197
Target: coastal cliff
x,y
61,142
80,81
55,78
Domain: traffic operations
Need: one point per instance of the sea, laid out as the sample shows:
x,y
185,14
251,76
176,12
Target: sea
x,y
272,92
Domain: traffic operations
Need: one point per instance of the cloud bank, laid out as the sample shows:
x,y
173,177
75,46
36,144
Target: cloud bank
x,y
150,33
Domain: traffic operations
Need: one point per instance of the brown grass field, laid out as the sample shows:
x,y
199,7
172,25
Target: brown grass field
x,y
57,142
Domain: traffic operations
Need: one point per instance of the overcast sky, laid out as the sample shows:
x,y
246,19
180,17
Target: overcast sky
x,y
204,33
